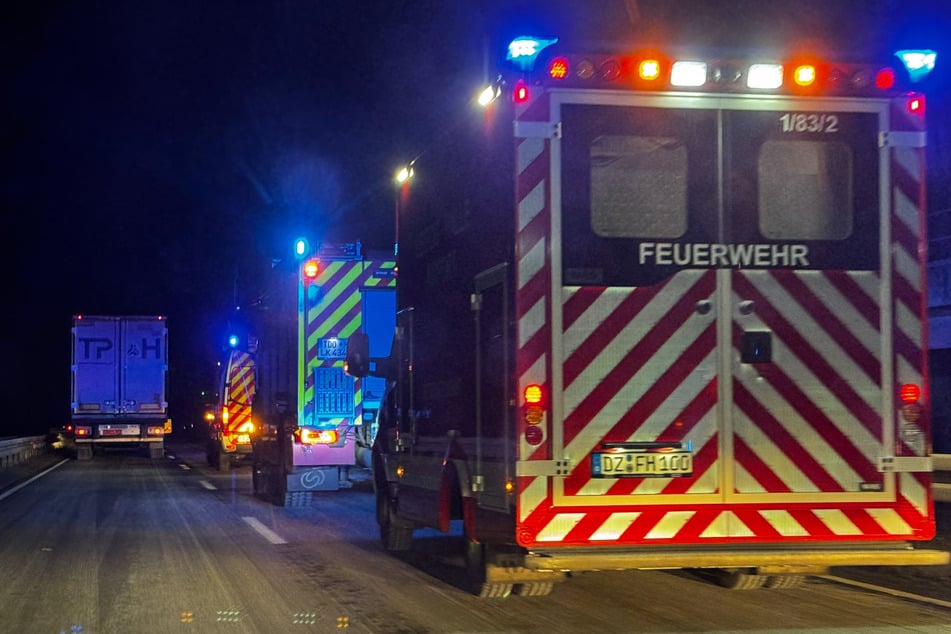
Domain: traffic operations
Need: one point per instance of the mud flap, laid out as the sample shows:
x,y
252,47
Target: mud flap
x,y
313,479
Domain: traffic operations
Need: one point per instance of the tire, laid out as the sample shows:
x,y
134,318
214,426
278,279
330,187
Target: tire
x,y
534,589
785,582
224,462
84,452
396,534
737,580
256,481
156,453
277,487
298,499
475,557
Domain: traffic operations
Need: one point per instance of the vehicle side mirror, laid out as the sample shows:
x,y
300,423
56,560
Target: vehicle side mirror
x,y
358,355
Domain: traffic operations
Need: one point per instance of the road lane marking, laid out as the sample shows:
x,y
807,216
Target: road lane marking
x,y
184,466
36,477
264,531
170,456
208,485
891,591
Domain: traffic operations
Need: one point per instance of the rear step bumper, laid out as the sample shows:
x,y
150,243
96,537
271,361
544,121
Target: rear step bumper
x,y
764,561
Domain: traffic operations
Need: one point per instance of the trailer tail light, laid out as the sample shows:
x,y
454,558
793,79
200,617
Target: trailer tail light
x,y
156,430
84,431
306,436
225,415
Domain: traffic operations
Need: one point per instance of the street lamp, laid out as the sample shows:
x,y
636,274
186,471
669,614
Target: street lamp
x,y
403,176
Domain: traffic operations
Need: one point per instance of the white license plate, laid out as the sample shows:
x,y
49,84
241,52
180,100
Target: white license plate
x,y
119,430
641,464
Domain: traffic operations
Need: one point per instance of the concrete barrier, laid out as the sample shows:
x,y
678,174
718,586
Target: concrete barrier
x,y
13,451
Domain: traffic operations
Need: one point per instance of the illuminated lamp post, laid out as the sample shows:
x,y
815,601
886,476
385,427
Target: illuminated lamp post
x,y
403,176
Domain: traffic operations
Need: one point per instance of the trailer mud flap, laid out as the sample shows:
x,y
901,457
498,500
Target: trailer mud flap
x,y
314,479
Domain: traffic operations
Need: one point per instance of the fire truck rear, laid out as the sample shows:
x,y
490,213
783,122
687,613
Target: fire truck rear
x,y
317,423
697,341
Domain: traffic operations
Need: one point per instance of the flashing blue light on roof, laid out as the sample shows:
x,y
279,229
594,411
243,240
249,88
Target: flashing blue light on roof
x,y
918,62
233,341
301,248
524,50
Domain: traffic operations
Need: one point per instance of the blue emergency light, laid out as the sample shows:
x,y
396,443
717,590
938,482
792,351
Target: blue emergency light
x,y
301,248
918,62
233,341
524,50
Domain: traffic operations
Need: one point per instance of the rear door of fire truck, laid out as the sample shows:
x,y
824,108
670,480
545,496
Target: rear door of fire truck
x,y
726,351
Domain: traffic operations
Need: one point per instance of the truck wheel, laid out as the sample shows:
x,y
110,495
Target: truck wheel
x,y
223,462
396,534
258,481
84,452
277,487
739,580
156,453
784,582
474,554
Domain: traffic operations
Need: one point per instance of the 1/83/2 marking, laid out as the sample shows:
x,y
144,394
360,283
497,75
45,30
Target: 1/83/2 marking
x,y
809,122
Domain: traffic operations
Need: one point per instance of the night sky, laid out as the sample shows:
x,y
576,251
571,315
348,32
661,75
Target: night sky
x,y
157,153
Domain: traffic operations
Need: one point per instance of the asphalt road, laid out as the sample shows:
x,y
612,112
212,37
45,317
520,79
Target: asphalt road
x,y
123,544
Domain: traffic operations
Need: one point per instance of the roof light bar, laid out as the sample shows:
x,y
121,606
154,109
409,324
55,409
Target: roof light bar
x,y
804,75
688,74
648,69
765,76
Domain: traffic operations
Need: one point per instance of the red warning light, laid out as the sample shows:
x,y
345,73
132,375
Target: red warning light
x,y
916,105
521,92
909,393
885,79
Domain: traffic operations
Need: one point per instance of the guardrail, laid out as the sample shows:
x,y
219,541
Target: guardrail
x,y
16,450
941,485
